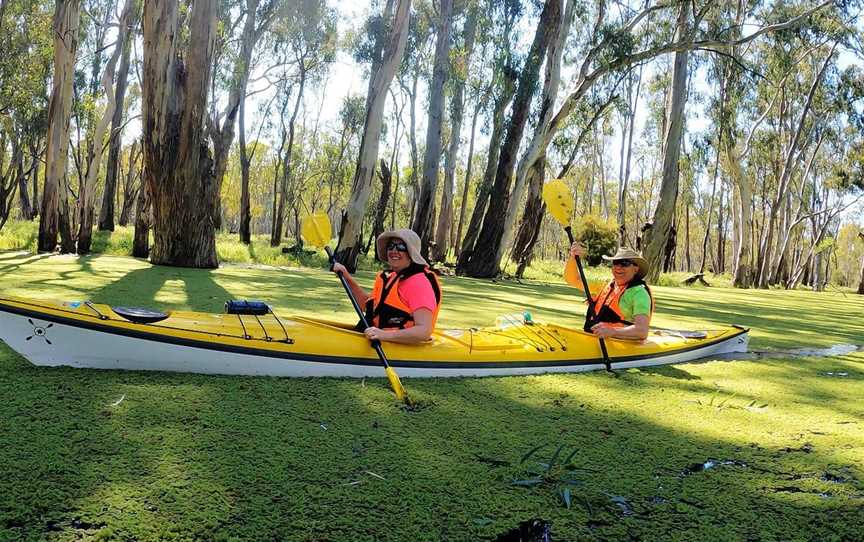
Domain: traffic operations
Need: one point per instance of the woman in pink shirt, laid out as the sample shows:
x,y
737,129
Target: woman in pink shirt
x,y
404,303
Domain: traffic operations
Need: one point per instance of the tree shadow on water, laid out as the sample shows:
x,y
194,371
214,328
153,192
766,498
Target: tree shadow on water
x,y
142,286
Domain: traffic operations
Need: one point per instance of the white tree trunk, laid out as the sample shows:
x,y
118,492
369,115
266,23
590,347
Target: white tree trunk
x,y
445,213
352,220
55,211
86,194
664,215
551,82
789,165
423,220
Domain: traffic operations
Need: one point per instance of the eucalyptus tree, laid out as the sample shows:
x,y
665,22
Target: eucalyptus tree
x,y
350,230
551,83
54,216
482,262
480,78
128,33
86,191
178,165
351,116
790,164
634,78
412,67
257,17
424,217
25,39
460,64
657,237
305,41
503,87
132,183
611,44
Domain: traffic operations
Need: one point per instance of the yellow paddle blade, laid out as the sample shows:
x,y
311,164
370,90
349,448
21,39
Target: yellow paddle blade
x,y
315,229
558,201
396,384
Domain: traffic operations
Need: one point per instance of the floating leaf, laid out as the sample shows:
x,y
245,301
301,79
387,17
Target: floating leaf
x,y
565,495
554,457
571,456
532,451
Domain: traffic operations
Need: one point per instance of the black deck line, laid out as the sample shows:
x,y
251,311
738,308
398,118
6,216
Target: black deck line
x,y
98,325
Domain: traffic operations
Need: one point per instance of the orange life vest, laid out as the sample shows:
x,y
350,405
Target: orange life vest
x,y
606,306
386,310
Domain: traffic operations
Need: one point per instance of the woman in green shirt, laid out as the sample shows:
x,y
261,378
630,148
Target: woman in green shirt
x,y
624,306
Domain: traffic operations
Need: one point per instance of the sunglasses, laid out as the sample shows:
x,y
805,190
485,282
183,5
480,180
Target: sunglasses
x,y
623,263
397,245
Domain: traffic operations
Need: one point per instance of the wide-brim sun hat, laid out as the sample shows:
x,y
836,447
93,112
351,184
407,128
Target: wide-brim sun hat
x,y
411,239
625,253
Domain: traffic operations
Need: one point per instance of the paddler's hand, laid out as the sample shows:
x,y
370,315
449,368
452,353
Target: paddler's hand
x,y
576,250
339,269
603,329
373,333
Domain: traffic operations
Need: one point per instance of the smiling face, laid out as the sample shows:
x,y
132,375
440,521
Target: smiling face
x,y
623,271
397,254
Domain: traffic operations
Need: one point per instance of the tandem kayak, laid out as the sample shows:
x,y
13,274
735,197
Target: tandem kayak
x,y
97,336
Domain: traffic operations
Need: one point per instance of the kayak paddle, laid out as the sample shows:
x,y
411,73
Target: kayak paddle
x,y
557,197
312,230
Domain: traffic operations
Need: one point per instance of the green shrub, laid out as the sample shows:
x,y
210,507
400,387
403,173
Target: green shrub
x,y
598,236
19,235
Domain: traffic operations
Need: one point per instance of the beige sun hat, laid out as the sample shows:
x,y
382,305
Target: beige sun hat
x,y
626,253
411,239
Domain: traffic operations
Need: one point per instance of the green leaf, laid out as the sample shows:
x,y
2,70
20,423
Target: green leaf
x,y
532,451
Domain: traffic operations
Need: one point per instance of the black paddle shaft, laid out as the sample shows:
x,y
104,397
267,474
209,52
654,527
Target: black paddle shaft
x,y
606,361
376,344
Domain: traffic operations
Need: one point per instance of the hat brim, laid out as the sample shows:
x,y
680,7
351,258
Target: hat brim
x,y
412,243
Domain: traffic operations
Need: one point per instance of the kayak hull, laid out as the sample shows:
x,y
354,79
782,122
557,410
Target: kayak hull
x,y
93,336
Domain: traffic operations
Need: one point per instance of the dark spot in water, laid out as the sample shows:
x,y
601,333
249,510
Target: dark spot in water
x,y
533,530
491,461
622,504
806,448
418,406
597,523
78,523
834,478
787,489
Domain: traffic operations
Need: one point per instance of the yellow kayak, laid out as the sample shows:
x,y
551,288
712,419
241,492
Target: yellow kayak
x,y
89,335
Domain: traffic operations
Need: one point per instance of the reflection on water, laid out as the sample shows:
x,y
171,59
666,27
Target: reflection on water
x,y
835,350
